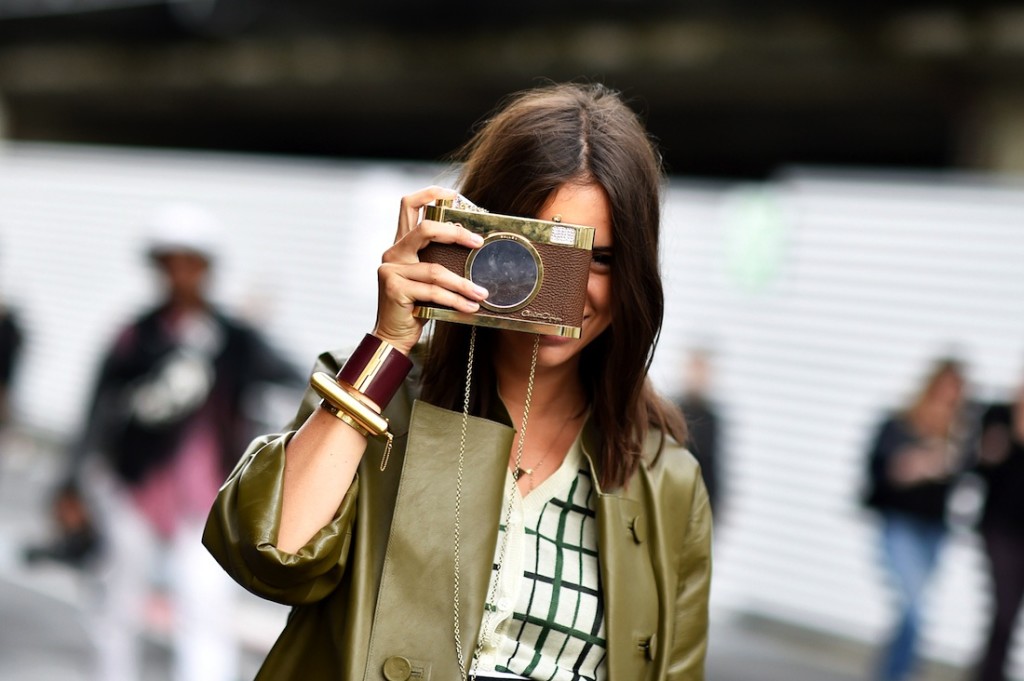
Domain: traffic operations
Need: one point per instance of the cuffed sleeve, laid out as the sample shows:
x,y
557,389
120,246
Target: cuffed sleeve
x,y
241,531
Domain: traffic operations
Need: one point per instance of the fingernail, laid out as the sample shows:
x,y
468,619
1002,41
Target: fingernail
x,y
480,291
476,239
473,307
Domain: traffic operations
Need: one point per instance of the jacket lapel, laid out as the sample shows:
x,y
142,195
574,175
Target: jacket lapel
x,y
417,583
627,577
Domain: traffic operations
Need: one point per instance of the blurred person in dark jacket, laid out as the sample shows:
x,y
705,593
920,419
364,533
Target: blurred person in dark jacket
x,y
1001,464
703,423
168,416
11,337
914,458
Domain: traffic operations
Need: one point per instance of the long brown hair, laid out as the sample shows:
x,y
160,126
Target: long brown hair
x,y
540,140
935,409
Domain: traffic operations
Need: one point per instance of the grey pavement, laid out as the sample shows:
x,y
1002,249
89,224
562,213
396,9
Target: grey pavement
x,y
44,609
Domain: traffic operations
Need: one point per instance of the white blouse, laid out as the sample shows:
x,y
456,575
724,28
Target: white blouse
x,y
546,620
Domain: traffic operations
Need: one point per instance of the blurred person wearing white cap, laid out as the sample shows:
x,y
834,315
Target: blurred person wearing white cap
x,y
167,415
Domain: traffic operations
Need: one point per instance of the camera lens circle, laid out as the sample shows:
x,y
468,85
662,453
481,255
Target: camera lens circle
x,y
509,267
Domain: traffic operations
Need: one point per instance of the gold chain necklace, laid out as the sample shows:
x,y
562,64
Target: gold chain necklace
x,y
518,472
492,593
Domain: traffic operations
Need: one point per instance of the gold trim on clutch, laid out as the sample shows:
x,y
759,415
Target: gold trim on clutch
x,y
540,231
483,319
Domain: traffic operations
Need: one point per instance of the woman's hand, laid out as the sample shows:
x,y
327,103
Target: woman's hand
x,y
916,464
404,281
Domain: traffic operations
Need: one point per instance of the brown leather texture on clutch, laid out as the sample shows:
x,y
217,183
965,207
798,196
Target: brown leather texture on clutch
x,y
562,293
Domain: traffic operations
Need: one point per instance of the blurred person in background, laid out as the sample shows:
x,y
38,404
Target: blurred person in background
x,y
583,549
168,416
11,337
1000,461
914,459
703,424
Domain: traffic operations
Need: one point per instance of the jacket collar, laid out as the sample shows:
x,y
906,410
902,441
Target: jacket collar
x,y
592,443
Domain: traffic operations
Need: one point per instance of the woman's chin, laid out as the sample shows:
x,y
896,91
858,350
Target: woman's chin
x,y
556,341
552,351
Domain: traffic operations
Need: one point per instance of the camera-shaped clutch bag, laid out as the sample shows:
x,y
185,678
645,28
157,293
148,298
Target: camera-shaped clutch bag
x,y
535,271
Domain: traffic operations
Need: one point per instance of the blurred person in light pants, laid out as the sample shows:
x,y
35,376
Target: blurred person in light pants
x,y
914,458
168,414
1001,464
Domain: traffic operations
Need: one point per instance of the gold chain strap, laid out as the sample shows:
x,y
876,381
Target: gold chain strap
x,y
460,655
492,594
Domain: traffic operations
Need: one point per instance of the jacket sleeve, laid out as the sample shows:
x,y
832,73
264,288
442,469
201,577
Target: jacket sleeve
x,y
689,647
888,444
121,363
241,531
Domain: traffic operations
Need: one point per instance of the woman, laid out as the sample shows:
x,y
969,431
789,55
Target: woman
x,y
1001,463
912,463
394,561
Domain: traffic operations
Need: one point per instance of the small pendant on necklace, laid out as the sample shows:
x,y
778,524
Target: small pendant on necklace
x,y
520,471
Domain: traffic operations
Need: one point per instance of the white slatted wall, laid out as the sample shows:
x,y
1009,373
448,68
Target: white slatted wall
x,y
301,244
823,296
860,281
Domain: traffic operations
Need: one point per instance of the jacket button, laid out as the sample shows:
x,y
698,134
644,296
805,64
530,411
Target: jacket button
x,y
397,668
652,646
639,529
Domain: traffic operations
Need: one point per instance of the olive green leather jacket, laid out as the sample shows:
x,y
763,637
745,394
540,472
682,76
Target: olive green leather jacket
x,y
372,592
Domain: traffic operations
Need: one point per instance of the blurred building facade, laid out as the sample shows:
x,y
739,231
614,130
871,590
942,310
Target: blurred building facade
x,y
731,88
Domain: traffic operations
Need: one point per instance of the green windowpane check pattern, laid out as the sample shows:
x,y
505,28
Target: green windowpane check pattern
x,y
556,630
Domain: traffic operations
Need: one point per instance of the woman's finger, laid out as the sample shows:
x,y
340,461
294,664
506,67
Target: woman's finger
x,y
405,250
403,286
412,204
408,284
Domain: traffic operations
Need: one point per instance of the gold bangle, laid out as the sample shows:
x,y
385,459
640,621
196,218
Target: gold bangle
x,y
354,392
338,401
334,411
327,387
